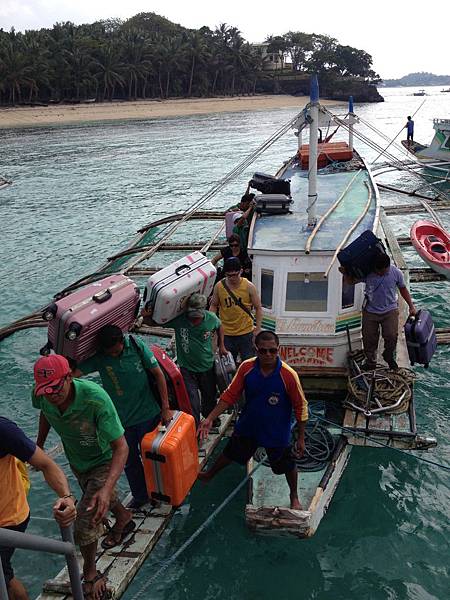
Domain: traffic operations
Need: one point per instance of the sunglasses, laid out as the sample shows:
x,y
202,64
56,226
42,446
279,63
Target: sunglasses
x,y
232,273
55,389
234,245
266,350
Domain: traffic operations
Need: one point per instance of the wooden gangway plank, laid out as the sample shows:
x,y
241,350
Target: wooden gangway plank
x,y
422,274
404,209
121,563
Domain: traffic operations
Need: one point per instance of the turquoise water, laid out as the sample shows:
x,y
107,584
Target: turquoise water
x,y
79,194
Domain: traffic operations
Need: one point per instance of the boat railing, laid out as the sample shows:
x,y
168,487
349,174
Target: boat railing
x,y
38,543
441,122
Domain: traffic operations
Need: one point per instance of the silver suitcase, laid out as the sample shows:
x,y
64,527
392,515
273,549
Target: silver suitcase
x,y
225,369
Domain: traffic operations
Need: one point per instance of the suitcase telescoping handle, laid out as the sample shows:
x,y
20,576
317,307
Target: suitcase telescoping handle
x,y
102,296
181,268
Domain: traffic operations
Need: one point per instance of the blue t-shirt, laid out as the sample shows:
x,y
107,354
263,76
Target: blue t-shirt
x,y
410,126
13,441
381,291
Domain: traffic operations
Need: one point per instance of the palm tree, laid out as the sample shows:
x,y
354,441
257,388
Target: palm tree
x,y
199,52
109,68
14,66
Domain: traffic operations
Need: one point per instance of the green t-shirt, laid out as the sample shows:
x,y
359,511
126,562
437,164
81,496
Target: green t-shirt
x,y
87,427
194,342
125,379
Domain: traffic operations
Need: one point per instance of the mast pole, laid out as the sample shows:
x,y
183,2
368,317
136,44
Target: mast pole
x,y
313,134
351,120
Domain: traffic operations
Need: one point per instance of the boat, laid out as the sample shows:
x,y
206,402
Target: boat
x,y
419,93
445,91
318,317
432,243
435,156
333,199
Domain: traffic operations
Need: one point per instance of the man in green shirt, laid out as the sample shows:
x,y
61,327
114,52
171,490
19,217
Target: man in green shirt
x,y
123,363
82,414
194,333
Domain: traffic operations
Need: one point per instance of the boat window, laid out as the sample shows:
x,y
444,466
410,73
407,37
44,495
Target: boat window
x,y
348,295
446,144
266,288
306,292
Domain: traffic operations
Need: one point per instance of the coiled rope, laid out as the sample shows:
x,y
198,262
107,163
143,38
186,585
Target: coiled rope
x,y
389,387
319,448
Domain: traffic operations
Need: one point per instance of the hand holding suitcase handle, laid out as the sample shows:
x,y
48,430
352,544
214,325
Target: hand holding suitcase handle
x,y
182,268
102,296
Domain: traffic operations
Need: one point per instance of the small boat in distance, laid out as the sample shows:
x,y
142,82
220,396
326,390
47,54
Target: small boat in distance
x,y
445,91
436,155
432,243
419,93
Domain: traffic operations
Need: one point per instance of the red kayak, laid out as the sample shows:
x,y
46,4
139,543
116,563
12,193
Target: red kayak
x,y
432,243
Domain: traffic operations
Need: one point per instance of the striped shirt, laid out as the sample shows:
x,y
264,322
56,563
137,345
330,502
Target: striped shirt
x,y
269,402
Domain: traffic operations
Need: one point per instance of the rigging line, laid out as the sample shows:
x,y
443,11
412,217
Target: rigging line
x,y
240,168
398,147
195,535
371,439
397,162
393,139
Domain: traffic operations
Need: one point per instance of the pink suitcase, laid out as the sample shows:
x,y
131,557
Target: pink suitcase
x,y
73,321
230,221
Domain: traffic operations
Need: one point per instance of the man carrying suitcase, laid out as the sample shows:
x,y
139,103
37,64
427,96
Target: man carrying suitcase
x,y
234,298
194,333
124,363
380,310
82,414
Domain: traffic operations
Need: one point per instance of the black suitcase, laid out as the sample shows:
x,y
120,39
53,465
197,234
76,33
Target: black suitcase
x,y
273,204
358,258
267,184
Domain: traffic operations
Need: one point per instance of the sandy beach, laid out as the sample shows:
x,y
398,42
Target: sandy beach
x,y
67,114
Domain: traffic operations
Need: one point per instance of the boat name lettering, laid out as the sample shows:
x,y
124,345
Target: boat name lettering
x,y
301,326
307,355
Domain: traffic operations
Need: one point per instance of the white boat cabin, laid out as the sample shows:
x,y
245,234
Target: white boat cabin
x,y
304,298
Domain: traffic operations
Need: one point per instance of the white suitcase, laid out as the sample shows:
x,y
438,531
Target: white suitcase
x,y
167,290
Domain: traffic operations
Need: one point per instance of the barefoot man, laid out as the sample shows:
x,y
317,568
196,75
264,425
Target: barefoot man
x,y
272,391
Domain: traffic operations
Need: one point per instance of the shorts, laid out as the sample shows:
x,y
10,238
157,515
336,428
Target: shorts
x,y
240,449
6,552
90,482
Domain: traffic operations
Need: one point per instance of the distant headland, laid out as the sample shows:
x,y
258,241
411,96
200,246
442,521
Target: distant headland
x,y
418,79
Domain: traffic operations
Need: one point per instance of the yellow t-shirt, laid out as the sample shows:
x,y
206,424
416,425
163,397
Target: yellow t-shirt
x,y
14,507
235,321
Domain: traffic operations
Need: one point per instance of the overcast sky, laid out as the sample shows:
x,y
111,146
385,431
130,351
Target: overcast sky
x,y
402,36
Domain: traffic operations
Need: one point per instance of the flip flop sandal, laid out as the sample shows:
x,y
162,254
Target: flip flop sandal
x,y
91,583
115,538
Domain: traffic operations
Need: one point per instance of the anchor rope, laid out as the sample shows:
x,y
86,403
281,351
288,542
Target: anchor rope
x,y
166,563
384,445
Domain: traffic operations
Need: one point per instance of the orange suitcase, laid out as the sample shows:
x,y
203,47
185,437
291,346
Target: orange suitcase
x,y
170,458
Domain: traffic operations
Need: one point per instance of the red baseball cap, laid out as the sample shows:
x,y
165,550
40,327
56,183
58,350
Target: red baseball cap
x,y
49,370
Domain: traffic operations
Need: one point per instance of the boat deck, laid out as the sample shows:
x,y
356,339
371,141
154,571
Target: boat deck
x,y
290,232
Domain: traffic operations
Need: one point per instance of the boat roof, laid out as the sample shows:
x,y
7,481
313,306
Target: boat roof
x,y
289,232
